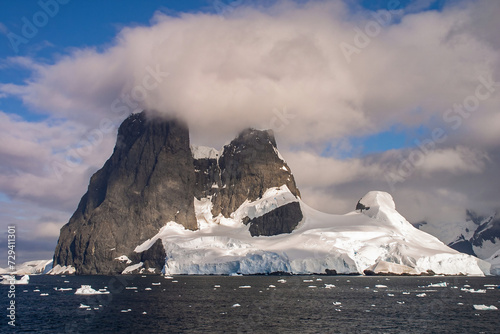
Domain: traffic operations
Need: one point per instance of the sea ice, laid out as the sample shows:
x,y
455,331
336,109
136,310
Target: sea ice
x,y
438,285
485,307
380,286
244,286
421,295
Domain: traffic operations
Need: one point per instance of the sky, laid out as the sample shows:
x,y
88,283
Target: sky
x,y
397,96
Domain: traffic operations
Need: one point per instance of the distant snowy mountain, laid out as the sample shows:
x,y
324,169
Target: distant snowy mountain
x,y
30,268
478,235
161,204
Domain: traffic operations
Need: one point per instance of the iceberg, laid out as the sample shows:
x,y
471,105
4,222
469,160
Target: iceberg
x,y
438,285
87,290
11,280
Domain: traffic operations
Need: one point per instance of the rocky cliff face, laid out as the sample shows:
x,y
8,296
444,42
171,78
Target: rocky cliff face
x,y
152,178
245,169
148,181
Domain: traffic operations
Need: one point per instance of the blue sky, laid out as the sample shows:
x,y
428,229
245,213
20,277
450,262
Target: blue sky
x,y
351,123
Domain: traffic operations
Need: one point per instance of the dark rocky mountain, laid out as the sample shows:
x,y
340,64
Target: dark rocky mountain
x,y
149,180
248,166
152,178
482,241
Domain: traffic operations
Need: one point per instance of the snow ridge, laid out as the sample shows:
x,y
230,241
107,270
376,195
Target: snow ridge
x,y
377,239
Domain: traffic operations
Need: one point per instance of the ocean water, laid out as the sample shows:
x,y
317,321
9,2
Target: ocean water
x,y
192,304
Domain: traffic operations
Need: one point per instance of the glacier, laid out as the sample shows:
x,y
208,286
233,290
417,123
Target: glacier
x,y
376,238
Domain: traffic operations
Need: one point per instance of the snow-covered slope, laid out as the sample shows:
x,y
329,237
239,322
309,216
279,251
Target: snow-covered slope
x,y
30,268
377,237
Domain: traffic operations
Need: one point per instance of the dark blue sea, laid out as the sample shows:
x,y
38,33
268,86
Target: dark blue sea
x,y
250,304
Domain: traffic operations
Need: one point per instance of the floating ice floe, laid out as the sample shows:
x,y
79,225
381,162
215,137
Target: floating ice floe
x,y
272,286
406,293
312,286
421,295
148,289
216,286
390,294
438,285
168,277
329,286
244,286
236,305
308,281
130,288
474,291
485,307
63,289
338,303
400,303
36,290
87,290
155,283
44,294
125,311
282,281
83,306
379,286
319,280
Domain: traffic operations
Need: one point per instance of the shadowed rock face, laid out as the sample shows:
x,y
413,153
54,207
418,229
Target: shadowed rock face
x,y
281,220
247,167
149,180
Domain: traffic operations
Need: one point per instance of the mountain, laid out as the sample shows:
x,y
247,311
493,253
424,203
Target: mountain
x,y
478,235
159,204
154,176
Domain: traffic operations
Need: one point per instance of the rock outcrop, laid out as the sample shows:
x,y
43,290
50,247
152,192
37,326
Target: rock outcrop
x,y
281,220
